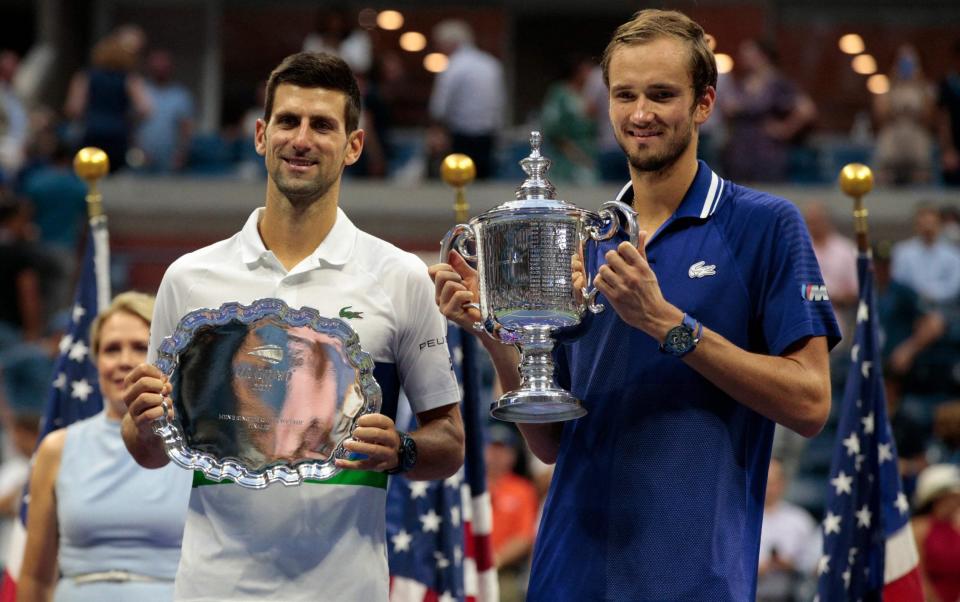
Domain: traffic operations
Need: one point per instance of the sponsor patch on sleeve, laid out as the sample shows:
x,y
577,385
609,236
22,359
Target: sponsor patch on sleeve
x,y
814,292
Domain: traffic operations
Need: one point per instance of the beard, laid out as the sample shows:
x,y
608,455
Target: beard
x,y
300,191
676,145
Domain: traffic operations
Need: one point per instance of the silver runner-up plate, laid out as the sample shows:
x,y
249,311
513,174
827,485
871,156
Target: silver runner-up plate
x,y
263,393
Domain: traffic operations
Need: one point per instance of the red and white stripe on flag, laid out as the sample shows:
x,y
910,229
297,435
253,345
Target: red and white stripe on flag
x,y
901,571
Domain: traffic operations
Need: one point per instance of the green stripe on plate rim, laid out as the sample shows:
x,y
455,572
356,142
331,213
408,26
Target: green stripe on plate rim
x,y
366,478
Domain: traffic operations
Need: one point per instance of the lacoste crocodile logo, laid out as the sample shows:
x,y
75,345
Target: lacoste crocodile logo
x,y
700,269
346,314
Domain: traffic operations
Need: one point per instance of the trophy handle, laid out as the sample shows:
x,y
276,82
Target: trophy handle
x,y
455,239
613,215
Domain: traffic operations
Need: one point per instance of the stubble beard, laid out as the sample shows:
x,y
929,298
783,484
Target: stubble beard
x,y
660,162
301,193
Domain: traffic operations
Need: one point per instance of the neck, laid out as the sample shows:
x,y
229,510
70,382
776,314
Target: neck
x,y
656,195
294,230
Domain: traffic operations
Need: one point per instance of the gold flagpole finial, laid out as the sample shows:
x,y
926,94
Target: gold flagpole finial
x,y
458,170
91,164
856,180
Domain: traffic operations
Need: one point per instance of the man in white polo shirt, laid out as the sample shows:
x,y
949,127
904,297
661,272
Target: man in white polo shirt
x,y
321,540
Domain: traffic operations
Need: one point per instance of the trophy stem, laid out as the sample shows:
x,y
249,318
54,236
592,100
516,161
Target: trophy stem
x,y
537,400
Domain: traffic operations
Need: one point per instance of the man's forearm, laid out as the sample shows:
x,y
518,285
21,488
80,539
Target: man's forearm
x,y
439,444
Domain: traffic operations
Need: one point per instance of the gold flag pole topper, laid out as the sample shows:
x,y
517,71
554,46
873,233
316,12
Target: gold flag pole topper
x,y
856,180
91,164
458,170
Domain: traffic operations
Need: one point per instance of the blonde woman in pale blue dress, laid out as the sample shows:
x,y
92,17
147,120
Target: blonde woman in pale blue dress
x,y
100,527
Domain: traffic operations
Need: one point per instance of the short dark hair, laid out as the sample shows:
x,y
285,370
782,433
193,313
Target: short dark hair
x,y
650,24
317,70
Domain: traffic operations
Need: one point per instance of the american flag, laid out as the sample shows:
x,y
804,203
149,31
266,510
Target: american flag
x,y
438,532
869,552
75,392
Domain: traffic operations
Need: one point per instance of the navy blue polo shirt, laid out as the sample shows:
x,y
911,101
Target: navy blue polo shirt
x,y
658,490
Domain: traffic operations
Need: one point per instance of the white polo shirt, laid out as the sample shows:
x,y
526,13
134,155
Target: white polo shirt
x,y
319,540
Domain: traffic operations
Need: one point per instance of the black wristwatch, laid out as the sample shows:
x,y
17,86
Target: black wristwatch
x,y
682,338
406,454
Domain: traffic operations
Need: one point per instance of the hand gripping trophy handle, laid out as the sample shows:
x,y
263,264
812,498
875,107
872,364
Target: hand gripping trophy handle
x,y
614,215
456,239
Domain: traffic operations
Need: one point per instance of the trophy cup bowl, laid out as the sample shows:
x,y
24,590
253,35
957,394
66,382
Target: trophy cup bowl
x,y
523,250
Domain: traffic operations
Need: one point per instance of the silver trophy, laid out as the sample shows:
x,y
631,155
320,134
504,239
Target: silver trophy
x,y
263,393
523,250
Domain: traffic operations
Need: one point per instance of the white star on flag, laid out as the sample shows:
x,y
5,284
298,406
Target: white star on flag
x,y
401,541
863,517
842,483
455,480
868,421
418,489
854,353
831,524
80,389
852,443
846,578
457,554
442,561
65,343
60,382
902,504
78,351
863,312
431,521
824,565
885,452
78,312
865,369
455,515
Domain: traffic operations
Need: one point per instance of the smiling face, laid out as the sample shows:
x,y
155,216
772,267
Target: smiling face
x,y
652,106
124,340
305,143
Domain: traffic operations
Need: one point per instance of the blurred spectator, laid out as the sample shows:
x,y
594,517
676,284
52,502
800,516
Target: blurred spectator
x,y
21,267
904,152
514,502
25,372
766,113
936,526
13,118
950,219
836,254
164,135
58,200
611,164
106,99
337,33
948,123
468,99
567,125
927,263
946,431
789,544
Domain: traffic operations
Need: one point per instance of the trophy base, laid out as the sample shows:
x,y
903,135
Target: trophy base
x,y
540,406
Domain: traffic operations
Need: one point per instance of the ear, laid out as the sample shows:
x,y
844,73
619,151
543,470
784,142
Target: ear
x,y
354,146
704,106
259,137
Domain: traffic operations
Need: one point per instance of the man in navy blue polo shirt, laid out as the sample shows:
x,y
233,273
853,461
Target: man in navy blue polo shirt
x,y
721,328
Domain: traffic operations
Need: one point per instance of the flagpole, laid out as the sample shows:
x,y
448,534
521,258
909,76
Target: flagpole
x,y
856,181
91,164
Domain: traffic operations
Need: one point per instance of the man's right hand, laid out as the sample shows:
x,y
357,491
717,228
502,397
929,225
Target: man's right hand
x,y
457,286
145,388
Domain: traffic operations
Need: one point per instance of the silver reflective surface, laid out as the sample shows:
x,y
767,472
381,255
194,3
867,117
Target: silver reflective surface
x,y
264,393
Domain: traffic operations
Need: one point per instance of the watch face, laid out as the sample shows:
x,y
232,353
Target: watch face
x,y
679,339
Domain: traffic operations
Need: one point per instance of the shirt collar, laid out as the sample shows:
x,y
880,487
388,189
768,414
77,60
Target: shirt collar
x,y
701,199
335,249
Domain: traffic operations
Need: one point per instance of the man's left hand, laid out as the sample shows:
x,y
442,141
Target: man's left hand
x,y
631,287
375,436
